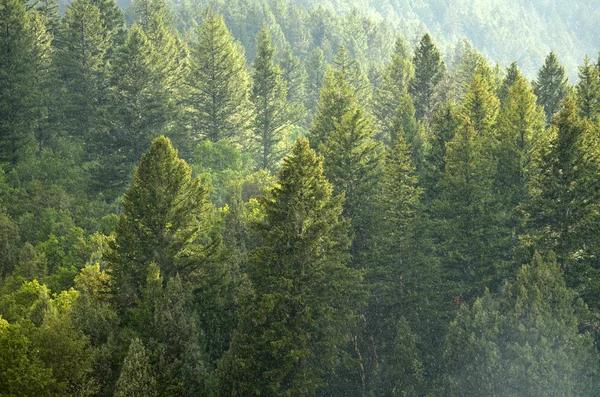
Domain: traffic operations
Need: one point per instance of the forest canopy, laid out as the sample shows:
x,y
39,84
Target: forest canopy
x,y
298,198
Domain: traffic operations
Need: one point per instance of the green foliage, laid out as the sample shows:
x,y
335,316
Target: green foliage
x,y
524,342
218,83
588,90
164,211
136,379
429,70
551,86
294,321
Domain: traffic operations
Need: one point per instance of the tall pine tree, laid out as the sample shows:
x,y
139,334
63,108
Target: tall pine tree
x,y
551,86
429,71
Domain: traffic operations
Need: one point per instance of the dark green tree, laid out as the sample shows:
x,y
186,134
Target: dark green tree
x,y
304,298
551,86
163,212
429,71
218,84
272,113
512,74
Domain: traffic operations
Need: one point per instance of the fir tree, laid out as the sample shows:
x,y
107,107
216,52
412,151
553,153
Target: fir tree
x,y
587,90
551,86
480,104
524,342
429,70
82,65
272,113
295,77
163,212
218,83
136,379
391,95
352,71
293,324
315,70
337,99
141,107
512,74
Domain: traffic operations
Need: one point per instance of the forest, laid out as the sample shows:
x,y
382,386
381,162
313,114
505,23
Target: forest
x,y
281,199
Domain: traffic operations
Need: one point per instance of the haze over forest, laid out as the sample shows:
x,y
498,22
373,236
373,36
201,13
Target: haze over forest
x,y
299,198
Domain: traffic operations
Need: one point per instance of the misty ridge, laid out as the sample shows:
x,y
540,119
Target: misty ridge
x,y
297,198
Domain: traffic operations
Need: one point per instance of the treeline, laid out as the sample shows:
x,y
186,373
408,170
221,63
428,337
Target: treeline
x,y
333,223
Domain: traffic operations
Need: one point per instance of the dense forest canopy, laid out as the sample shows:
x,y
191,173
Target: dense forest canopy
x,y
249,198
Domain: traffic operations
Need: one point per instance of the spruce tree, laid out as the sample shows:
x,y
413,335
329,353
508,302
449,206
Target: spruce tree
x,y
391,95
512,74
561,209
295,78
304,299
81,61
429,71
218,84
163,212
587,90
444,123
316,67
337,99
480,103
551,86
18,66
136,379
524,342
272,113
344,63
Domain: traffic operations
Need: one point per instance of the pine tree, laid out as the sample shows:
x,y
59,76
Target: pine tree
x,y
561,209
48,9
294,323
315,70
512,74
551,86
395,83
404,122
136,379
272,113
524,342
473,241
163,212
480,104
520,130
352,71
465,63
113,20
444,123
429,70
140,106
18,66
337,99
218,83
81,61
295,78
588,90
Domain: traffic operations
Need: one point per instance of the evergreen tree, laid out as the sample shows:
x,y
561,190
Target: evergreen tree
x,y
525,342
480,104
18,60
218,83
48,9
163,213
304,298
444,123
404,122
429,70
392,94
136,379
315,70
140,106
587,90
512,74
473,242
551,86
295,78
520,130
337,99
82,65
352,71
272,113
563,200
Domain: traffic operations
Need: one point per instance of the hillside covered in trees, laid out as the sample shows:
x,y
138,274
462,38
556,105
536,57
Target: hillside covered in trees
x,y
281,199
